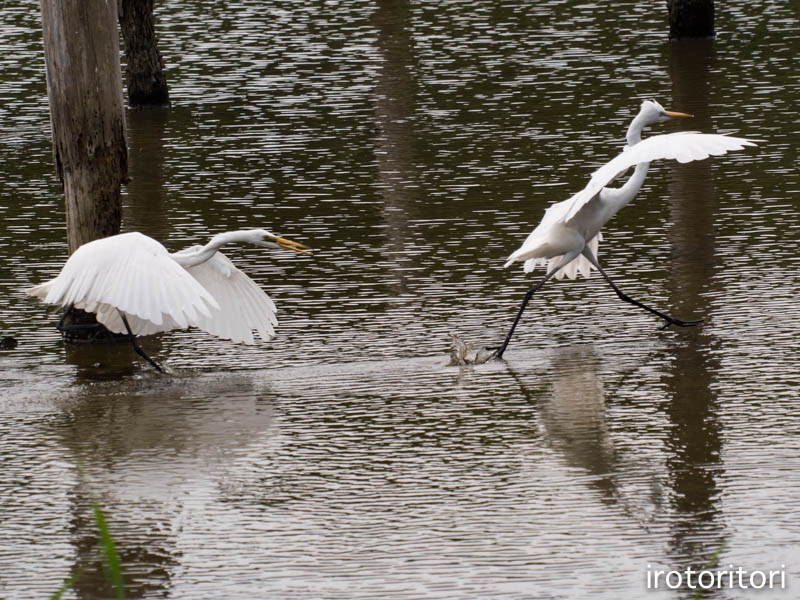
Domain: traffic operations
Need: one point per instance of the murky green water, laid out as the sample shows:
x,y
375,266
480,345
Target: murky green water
x,y
414,146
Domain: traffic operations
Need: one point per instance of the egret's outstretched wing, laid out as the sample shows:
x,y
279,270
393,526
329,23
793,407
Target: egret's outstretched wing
x,y
243,306
683,146
555,213
135,274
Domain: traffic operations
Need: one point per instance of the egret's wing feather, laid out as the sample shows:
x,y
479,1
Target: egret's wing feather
x,y
243,305
552,215
132,273
109,316
683,146
40,291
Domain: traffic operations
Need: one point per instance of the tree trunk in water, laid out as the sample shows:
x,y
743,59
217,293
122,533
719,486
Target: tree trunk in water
x,y
691,18
147,85
87,118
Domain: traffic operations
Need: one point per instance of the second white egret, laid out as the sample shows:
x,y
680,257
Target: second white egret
x,y
566,239
134,285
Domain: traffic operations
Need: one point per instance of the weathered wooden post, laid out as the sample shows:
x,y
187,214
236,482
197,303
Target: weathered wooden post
x,y
84,87
87,120
144,75
691,18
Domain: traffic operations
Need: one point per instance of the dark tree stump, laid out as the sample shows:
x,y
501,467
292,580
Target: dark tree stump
x,y
144,75
691,19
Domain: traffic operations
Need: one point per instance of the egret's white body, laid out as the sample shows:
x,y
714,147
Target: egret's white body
x,y
131,277
567,238
574,224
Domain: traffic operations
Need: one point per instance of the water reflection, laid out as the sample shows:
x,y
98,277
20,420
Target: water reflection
x,y
574,416
692,196
395,108
145,202
695,438
96,362
694,443
574,419
159,454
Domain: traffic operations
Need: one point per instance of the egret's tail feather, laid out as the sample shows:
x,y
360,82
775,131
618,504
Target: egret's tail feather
x,y
578,266
530,264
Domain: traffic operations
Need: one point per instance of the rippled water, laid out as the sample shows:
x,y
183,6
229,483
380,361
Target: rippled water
x,y
414,146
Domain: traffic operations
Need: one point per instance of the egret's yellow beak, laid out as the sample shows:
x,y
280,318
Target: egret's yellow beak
x,y
290,245
677,115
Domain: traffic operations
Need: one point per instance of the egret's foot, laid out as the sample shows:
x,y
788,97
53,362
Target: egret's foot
x,y
484,355
141,353
679,323
492,353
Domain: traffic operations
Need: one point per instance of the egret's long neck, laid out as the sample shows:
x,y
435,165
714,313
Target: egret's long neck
x,y
635,181
197,255
615,199
634,134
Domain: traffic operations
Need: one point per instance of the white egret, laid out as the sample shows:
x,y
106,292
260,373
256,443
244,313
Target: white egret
x,y
566,239
134,285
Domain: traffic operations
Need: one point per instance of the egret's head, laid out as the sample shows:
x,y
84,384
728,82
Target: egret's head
x,y
262,237
653,112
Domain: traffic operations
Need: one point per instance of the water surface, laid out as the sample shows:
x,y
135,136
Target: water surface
x,y
414,146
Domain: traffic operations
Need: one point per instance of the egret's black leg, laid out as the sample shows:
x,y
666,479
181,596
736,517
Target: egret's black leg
x,y
60,325
136,347
528,295
669,320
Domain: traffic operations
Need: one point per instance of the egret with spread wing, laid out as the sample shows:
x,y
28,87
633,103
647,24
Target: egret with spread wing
x,y
566,239
135,286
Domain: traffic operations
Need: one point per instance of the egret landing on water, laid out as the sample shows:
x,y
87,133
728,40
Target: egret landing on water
x,y
566,239
135,286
